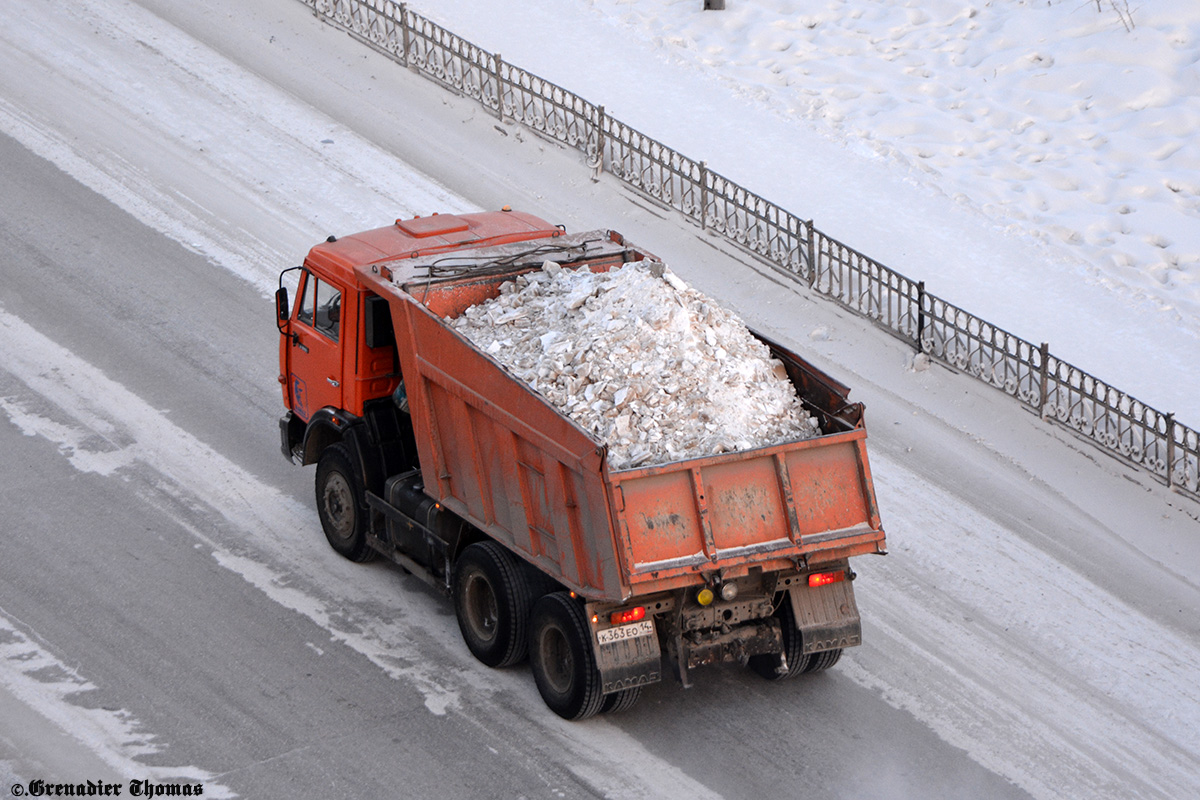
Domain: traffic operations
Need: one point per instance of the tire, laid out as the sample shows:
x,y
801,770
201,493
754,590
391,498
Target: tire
x,y
819,662
340,504
560,653
621,700
492,600
768,664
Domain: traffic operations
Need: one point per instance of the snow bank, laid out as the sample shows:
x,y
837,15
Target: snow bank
x,y
1053,117
1032,162
640,360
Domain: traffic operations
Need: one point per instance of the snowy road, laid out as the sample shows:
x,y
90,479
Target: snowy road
x,y
168,607
158,583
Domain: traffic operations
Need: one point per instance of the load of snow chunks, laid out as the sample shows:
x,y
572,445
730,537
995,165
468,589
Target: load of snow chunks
x,y
646,364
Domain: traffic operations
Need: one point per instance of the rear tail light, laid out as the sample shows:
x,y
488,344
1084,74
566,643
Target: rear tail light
x,y
825,578
629,615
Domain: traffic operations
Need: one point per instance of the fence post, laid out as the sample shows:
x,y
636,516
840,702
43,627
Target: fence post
x,y
1170,447
703,195
812,255
499,88
920,316
598,166
404,33
1044,389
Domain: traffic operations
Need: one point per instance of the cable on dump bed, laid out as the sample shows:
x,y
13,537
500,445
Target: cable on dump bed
x,y
462,264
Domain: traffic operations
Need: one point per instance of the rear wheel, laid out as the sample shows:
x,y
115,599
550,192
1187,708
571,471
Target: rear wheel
x,y
340,504
492,600
771,665
564,667
621,700
819,662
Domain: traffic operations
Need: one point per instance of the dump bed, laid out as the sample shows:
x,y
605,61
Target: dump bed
x,y
498,454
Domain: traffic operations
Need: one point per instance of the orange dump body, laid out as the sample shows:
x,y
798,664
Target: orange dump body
x,y
498,454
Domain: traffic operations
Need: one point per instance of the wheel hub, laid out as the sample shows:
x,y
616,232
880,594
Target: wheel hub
x,y
558,663
483,613
339,506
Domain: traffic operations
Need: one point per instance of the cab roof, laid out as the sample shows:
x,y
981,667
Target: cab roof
x,y
410,238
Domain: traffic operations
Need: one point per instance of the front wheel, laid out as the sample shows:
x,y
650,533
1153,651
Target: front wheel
x,y
560,653
339,504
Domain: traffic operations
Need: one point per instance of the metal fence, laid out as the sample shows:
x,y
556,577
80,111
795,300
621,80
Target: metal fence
x,y
1059,392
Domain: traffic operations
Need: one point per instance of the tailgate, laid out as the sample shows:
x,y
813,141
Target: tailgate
x,y
798,502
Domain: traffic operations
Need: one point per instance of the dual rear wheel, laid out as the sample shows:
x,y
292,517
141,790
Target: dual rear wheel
x,y
505,615
492,600
563,664
793,661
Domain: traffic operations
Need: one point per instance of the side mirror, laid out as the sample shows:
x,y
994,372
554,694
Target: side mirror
x,y
282,308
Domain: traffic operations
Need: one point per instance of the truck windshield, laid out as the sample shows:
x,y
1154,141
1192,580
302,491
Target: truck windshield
x,y
321,307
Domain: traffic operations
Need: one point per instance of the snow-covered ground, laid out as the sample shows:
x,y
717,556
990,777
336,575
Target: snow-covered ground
x,y
1053,117
1035,163
1042,629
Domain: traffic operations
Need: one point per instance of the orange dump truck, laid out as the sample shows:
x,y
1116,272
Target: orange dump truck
x,y
432,454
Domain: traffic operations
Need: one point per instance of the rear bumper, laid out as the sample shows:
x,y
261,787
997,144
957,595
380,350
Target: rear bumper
x,y
689,635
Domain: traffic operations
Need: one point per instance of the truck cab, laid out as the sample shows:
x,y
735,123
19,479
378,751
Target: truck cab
x,y
337,351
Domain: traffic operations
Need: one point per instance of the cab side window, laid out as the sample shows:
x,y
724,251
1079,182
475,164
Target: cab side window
x,y
321,306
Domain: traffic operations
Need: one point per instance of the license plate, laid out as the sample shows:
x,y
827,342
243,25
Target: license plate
x,y
630,631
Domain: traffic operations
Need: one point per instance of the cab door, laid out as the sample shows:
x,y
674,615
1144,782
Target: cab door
x,y
315,362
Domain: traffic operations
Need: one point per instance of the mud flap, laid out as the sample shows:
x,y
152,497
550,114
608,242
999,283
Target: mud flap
x,y
629,662
826,616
